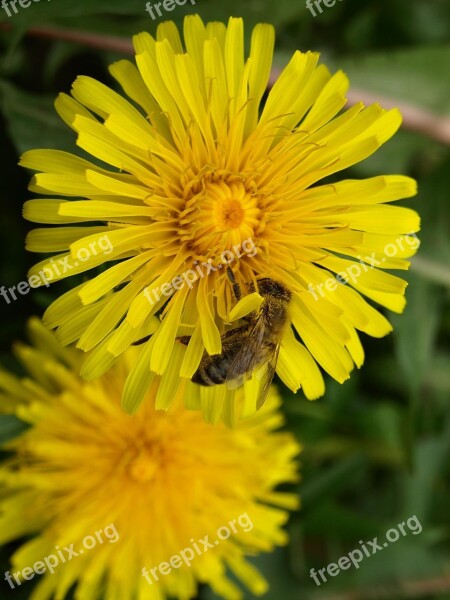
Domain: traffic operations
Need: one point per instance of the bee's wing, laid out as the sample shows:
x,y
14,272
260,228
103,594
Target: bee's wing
x,y
266,375
252,356
246,358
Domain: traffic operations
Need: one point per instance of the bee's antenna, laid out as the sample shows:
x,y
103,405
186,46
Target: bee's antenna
x,y
236,286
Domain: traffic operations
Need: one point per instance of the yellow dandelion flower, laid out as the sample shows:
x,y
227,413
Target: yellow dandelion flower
x,y
193,173
103,506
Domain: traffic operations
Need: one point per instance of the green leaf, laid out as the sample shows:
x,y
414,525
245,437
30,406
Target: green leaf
x,y
10,427
415,331
330,519
434,211
438,375
33,121
435,271
415,334
418,76
421,488
336,478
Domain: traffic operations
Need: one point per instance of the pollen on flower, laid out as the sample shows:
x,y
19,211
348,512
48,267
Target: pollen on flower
x,y
143,467
230,213
221,214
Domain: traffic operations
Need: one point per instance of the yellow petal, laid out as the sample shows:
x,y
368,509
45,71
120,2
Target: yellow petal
x,y
245,306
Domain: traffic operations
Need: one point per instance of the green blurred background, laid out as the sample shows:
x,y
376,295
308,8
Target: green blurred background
x,y
376,449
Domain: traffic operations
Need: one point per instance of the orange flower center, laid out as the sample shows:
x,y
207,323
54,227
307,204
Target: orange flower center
x,y
220,215
231,214
143,467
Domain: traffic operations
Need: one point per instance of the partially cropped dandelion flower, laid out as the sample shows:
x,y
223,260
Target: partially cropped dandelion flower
x,y
159,481
195,168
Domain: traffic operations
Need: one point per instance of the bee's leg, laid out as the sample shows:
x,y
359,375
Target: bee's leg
x,y
184,339
236,286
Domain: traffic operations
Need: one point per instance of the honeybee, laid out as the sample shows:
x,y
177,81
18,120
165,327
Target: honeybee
x,y
251,347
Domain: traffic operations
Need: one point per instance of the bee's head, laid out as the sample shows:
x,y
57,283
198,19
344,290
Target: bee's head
x,y
269,287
